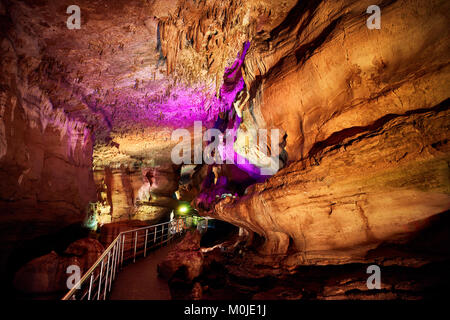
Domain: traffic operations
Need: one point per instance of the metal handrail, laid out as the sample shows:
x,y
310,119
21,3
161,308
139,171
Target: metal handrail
x,y
115,254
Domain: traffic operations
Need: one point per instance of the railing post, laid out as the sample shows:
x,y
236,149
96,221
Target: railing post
x,y
106,276
112,263
116,263
112,267
90,286
162,234
100,280
123,249
145,245
154,235
119,247
135,244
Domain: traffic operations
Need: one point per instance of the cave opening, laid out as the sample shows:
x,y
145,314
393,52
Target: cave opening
x,y
218,232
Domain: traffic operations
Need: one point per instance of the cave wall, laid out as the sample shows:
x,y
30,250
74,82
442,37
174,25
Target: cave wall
x,y
123,193
324,71
46,180
369,189
366,118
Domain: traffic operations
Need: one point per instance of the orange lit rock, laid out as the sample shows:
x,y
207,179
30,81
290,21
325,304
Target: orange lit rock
x,y
87,250
185,260
365,114
128,191
48,274
368,189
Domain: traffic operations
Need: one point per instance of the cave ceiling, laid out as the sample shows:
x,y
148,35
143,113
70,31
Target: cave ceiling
x,y
136,69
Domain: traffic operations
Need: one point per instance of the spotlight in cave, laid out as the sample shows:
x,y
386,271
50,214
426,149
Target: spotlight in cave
x,y
312,146
184,208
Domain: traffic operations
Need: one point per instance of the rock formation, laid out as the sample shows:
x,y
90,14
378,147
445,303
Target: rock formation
x,y
129,194
49,273
45,156
185,261
361,137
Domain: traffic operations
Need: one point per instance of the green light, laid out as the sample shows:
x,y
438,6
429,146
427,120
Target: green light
x,y
183,209
91,222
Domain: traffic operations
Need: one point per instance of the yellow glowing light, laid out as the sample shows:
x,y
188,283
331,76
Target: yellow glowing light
x,y
183,209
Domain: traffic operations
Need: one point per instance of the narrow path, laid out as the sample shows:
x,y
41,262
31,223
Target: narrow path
x,y
139,281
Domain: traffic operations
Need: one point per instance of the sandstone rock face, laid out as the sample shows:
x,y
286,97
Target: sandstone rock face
x,y
110,231
87,250
45,274
366,119
323,71
48,274
121,188
144,194
368,189
45,156
152,214
364,113
185,260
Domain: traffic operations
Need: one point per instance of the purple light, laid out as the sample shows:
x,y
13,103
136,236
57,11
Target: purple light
x,y
233,84
242,171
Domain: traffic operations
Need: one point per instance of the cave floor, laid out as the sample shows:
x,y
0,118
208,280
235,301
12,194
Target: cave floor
x,y
140,281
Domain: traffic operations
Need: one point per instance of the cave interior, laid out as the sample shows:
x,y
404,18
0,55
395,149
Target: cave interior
x,y
313,136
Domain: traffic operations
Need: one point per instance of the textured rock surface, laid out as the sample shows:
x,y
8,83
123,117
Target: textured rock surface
x,y
48,274
366,124
87,250
233,271
370,188
323,71
44,274
45,156
185,261
144,194
110,231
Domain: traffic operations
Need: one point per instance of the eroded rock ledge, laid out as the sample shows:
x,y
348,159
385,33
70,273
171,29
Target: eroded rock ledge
x,y
370,188
233,270
366,120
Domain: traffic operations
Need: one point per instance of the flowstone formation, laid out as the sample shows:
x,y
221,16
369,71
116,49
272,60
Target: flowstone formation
x,y
366,130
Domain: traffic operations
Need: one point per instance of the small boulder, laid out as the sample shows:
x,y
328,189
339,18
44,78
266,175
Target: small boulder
x,y
87,251
46,274
185,261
